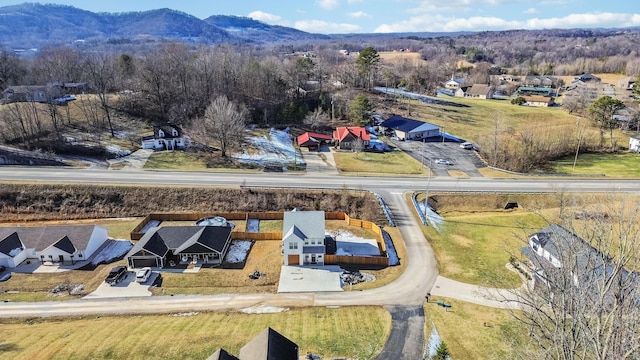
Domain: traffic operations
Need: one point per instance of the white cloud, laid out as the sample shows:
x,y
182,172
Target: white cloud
x,y
328,4
323,27
530,11
440,23
268,18
359,15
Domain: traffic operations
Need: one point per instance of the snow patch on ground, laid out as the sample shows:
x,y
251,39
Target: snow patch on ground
x,y
264,310
149,225
115,249
238,251
117,151
347,244
277,148
433,217
192,313
253,225
391,249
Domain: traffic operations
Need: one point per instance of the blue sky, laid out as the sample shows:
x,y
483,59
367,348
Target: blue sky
x,y
368,16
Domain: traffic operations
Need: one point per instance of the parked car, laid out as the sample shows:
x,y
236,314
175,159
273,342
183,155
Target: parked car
x,y
443,162
467,145
116,275
143,274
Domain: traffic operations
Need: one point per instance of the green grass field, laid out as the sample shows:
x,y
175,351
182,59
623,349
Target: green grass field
x,y
175,160
395,162
353,332
611,165
463,329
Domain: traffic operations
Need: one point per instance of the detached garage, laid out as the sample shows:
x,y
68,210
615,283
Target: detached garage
x,y
409,129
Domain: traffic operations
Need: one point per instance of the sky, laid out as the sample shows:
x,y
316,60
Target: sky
x,y
384,16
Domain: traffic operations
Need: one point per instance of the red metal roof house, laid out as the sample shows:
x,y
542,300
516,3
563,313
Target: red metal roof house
x,y
313,140
345,136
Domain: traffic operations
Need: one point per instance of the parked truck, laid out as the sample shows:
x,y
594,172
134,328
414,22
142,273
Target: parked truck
x,y
116,275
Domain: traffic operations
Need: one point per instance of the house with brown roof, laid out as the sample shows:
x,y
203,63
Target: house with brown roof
x,y
165,137
160,246
31,93
312,140
344,137
479,91
56,244
538,101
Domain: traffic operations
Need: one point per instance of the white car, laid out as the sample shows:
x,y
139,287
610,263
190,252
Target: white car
x,y
467,145
143,274
443,162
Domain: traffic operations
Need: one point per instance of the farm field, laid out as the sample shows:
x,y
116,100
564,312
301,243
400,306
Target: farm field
x,y
355,332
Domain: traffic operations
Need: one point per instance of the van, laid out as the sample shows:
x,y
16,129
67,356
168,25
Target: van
x,y
466,145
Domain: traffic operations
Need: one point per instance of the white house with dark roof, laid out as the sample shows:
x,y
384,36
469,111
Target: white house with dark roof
x,y
555,247
180,244
303,236
165,137
55,244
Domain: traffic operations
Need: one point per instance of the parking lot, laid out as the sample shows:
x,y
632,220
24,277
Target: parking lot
x,y
427,153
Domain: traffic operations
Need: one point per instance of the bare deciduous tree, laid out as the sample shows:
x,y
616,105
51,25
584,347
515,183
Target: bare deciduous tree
x,y
316,118
586,300
224,122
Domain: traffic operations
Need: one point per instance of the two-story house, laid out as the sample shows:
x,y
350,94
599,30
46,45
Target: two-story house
x,y
165,137
303,236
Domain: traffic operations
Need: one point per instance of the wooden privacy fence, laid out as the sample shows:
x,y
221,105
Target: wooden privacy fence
x,y
356,260
383,260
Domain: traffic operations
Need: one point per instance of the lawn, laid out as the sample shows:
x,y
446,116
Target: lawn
x,y
462,328
353,332
176,160
476,239
611,165
475,247
395,162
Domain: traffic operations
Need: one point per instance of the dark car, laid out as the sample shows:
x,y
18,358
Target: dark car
x,y
116,275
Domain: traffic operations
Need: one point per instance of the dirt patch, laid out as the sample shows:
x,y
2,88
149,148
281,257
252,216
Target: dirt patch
x,y
462,241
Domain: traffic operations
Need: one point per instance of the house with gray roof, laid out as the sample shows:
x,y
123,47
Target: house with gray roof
x,y
270,345
303,238
479,91
410,129
56,244
555,247
180,244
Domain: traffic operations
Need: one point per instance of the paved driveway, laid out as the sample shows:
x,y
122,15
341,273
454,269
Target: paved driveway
x,y
126,288
463,160
320,162
309,279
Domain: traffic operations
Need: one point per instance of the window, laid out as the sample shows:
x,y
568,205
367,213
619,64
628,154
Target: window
x,y
293,246
80,255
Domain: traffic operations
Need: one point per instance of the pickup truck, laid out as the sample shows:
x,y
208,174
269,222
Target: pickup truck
x,y
116,275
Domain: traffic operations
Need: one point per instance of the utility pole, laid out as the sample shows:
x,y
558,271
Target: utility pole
x,y
575,159
426,199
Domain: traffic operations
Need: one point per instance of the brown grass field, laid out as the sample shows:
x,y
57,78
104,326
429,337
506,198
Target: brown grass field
x,y
353,332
